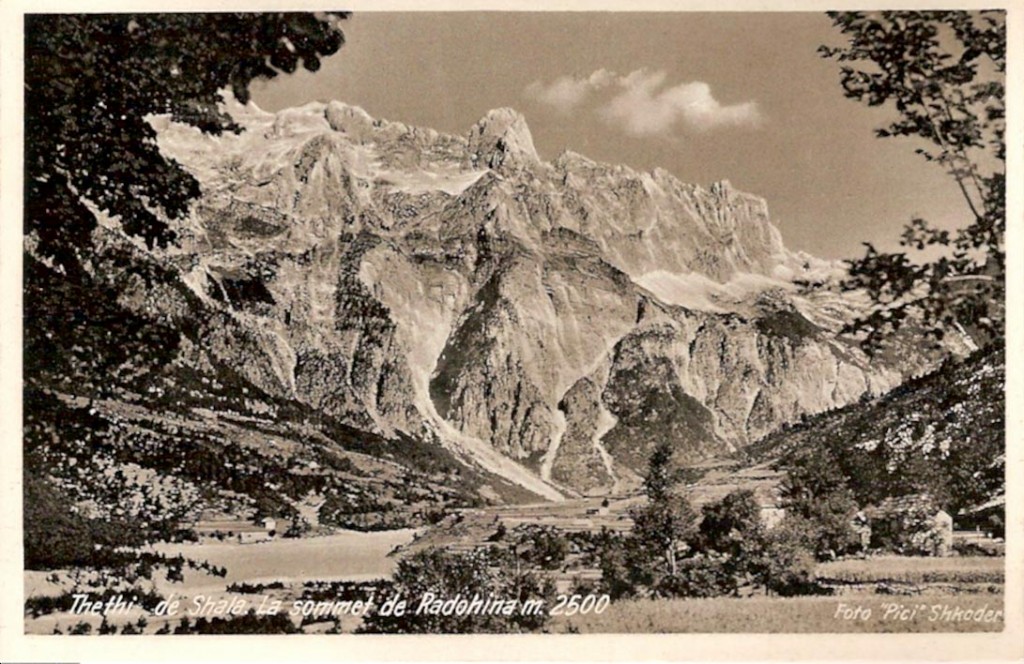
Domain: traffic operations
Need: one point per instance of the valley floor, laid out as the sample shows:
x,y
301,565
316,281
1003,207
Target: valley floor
x,y
346,555
755,615
343,556
958,594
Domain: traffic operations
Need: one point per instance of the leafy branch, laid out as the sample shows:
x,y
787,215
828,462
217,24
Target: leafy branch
x,y
943,72
92,82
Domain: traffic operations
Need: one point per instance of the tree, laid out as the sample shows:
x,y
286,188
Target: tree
x,y
93,80
647,561
943,72
819,502
55,537
663,524
436,575
789,564
732,527
541,546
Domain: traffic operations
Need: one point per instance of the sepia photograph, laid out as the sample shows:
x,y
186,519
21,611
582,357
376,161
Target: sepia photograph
x,y
512,322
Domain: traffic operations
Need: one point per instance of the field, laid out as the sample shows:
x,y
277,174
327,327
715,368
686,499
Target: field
x,y
753,615
956,594
900,569
347,555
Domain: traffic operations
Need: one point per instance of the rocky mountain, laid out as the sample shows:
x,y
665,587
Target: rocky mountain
x,y
942,434
544,322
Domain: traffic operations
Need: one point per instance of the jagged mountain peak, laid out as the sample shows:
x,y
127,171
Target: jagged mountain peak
x,y
502,139
570,160
501,120
532,317
350,120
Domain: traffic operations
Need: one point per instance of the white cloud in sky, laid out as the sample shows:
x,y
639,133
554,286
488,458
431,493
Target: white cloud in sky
x,y
641,104
565,93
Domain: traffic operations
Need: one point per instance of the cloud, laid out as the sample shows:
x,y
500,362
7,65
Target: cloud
x,y
565,93
641,104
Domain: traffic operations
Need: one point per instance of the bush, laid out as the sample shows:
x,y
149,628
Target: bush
x,y
544,547
437,574
789,561
700,575
250,623
732,528
616,577
909,532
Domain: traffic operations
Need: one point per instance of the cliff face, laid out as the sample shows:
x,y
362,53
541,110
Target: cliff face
x,y
547,321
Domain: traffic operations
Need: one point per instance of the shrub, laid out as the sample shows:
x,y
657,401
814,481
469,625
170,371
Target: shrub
x,y
544,547
250,623
616,575
909,532
732,528
444,575
789,561
699,575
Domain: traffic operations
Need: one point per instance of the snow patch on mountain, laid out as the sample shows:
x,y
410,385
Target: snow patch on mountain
x,y
696,291
451,181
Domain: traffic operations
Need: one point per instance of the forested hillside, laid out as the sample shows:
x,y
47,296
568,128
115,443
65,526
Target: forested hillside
x,y
942,434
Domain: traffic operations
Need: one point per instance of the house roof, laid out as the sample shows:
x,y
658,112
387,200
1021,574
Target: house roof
x,y
905,503
998,501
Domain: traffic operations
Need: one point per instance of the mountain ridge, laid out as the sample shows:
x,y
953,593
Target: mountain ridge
x,y
463,304
496,282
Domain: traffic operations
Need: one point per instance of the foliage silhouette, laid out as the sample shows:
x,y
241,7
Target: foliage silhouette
x,y
93,80
943,72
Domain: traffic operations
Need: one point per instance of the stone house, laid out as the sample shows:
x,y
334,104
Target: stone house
x,y
988,518
913,525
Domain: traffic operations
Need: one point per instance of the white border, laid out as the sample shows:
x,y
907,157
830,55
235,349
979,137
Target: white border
x,y
16,646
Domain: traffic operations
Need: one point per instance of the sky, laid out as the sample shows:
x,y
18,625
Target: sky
x,y
707,96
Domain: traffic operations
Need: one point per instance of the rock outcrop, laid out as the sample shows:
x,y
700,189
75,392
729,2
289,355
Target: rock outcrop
x,y
547,321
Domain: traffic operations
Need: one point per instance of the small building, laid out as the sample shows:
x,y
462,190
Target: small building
x,y
988,518
913,524
252,536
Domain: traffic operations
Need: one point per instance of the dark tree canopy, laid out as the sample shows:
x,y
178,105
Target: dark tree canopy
x,y
944,74
91,81
818,501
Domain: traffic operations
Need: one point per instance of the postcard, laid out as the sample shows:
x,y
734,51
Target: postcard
x,y
521,331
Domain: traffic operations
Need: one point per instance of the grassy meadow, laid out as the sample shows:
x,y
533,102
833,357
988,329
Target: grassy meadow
x,y
941,607
903,569
753,615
